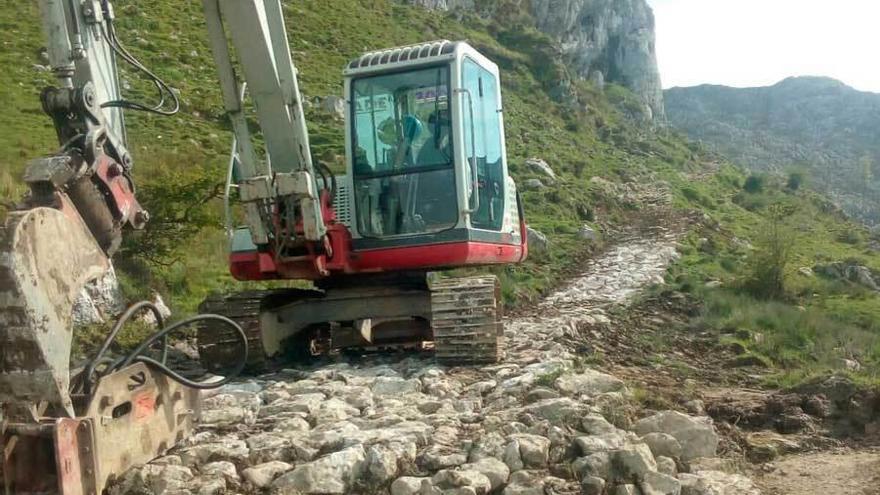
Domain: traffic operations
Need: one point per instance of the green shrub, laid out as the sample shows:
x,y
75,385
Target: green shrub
x,y
754,183
178,201
772,255
795,180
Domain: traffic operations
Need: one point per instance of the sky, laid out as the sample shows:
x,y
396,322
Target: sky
x,y
747,43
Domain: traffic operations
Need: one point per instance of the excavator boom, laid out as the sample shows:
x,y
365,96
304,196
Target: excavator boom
x,y
282,183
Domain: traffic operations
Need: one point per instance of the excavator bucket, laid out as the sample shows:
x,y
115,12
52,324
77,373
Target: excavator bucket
x,y
46,257
55,441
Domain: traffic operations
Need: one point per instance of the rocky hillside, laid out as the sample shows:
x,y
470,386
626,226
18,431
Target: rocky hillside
x,y
600,40
817,125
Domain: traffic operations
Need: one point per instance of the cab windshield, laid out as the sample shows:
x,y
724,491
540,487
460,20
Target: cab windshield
x,y
402,153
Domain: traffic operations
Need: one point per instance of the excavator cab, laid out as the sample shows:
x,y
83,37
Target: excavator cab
x,y
426,157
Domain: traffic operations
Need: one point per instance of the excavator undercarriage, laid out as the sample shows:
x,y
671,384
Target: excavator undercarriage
x,y
458,318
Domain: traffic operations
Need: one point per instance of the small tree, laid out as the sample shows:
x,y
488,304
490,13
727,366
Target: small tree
x,y
178,202
796,179
754,184
772,255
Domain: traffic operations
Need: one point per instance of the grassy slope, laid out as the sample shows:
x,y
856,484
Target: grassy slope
x,y
581,141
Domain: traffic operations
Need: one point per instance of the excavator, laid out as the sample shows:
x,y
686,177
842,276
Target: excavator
x,y
426,189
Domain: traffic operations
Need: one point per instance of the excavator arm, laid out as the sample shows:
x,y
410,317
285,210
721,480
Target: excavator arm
x,y
93,167
280,188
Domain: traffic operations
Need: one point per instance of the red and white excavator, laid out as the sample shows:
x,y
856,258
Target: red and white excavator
x,y
426,188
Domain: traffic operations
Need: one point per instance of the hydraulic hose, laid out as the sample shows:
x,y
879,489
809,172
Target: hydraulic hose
x,y
137,355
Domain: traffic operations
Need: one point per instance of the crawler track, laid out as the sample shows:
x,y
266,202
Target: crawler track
x,y
466,319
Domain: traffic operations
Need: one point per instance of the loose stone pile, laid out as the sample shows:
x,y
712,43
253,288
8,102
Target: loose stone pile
x,y
540,423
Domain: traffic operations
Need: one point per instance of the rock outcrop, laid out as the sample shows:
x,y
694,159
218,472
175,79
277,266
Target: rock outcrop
x,y
613,37
602,41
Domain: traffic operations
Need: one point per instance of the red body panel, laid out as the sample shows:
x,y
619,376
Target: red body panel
x,y
436,256
261,266
336,256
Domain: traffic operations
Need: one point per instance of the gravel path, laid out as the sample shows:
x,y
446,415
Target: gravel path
x,y
542,422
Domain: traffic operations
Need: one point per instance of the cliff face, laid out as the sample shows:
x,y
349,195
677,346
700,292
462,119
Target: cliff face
x,y
610,40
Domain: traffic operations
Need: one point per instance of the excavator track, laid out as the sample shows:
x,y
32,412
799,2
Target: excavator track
x,y
466,320
219,346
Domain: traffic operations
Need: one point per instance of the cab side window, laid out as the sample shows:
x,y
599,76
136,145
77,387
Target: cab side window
x,y
482,135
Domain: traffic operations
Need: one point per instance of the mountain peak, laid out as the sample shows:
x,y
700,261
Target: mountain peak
x,y
812,82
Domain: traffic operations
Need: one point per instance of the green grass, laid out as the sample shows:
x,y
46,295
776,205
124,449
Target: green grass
x,y
818,321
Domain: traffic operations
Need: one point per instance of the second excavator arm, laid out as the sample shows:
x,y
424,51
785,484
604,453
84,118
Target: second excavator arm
x,y
280,189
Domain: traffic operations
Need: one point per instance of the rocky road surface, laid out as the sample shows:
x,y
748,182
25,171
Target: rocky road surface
x,y
543,422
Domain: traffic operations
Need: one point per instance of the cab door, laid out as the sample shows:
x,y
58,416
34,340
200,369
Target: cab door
x,y
483,146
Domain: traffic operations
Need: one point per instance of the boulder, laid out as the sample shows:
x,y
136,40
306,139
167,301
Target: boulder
x,y
537,241
716,483
538,165
164,479
597,444
596,424
234,451
395,386
524,483
230,409
592,485
262,475
666,465
659,484
384,460
626,490
695,434
408,485
461,478
588,233
221,469
99,301
438,457
330,474
589,382
533,184
555,410
334,106
598,465
633,462
495,470
533,449
663,444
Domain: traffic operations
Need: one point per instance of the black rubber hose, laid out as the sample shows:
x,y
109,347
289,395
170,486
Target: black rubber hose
x,y
127,315
161,366
163,333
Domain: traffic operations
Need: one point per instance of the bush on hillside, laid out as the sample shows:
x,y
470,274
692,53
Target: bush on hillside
x,y
795,180
178,203
754,184
773,252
